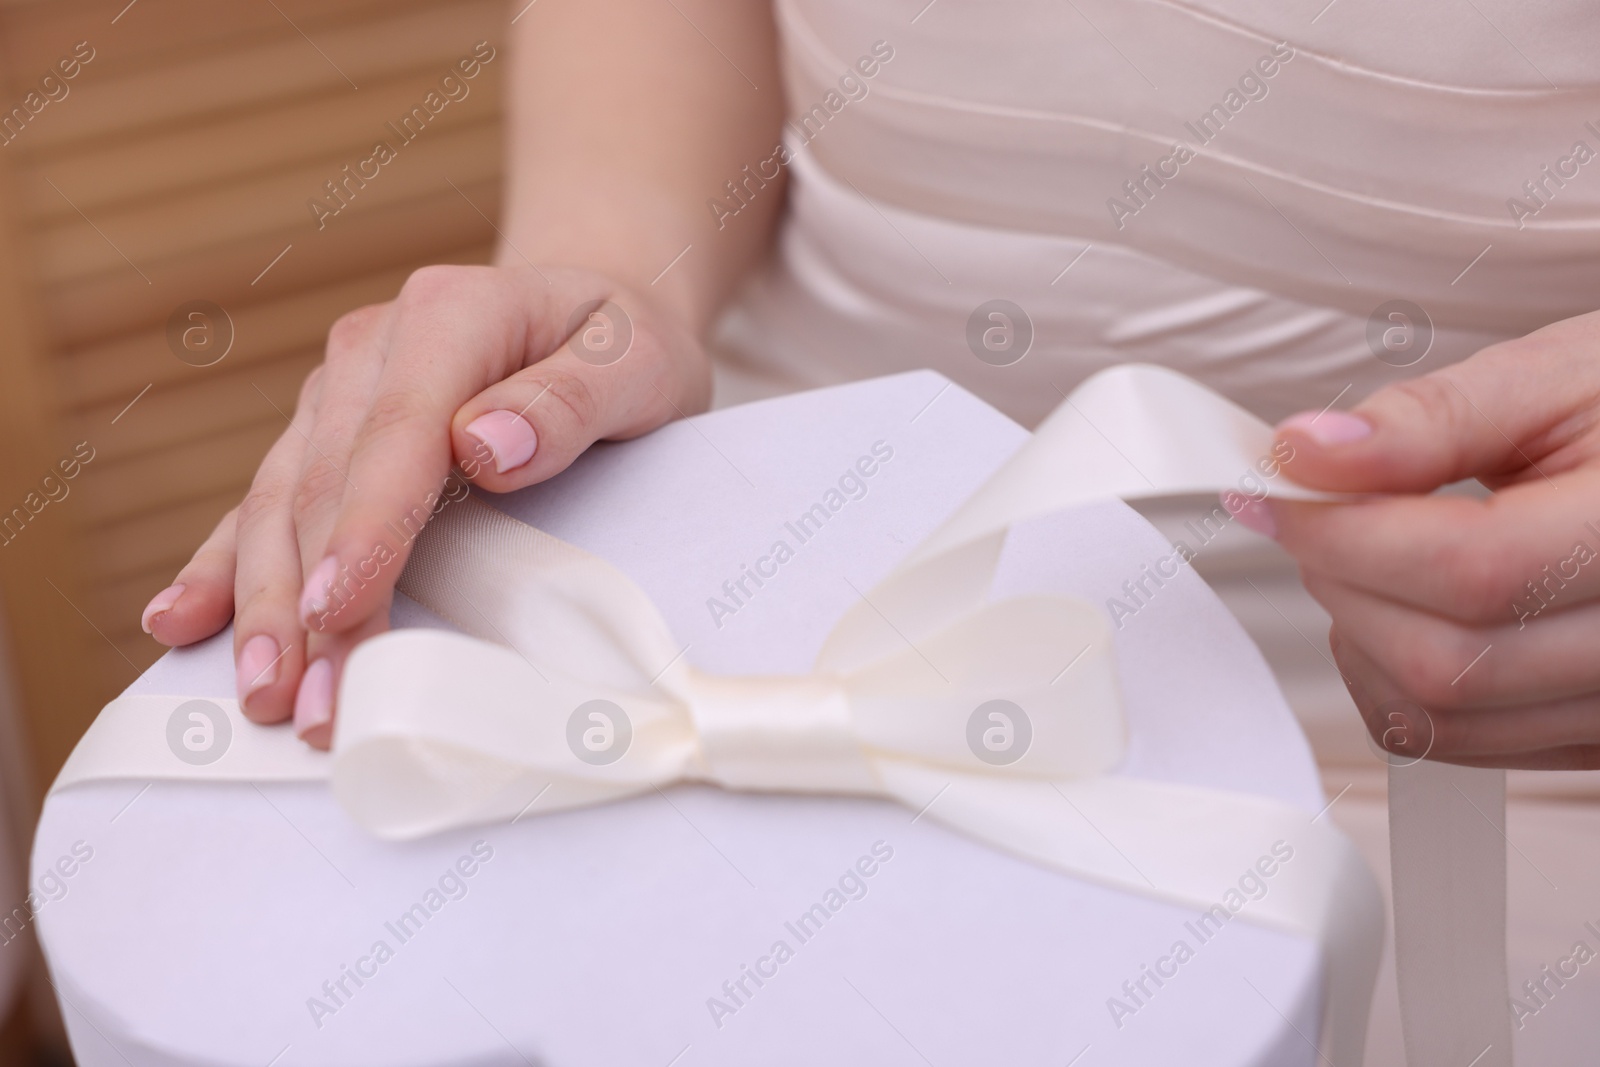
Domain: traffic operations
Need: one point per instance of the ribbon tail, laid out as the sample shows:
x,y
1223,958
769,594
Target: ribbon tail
x,y
146,736
1447,849
1189,846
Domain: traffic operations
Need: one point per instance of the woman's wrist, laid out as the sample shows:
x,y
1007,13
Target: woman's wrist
x,y
679,301
643,239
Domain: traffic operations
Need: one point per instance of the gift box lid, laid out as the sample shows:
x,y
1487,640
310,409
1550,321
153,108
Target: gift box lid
x,y
253,923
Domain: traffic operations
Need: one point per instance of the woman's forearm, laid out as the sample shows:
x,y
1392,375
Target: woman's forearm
x,y
624,120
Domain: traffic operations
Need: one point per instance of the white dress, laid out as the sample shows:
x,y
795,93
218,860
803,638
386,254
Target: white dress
x,y
1294,203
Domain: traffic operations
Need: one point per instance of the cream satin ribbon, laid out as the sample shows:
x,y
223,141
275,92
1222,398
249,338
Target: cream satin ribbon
x,y
1447,851
437,729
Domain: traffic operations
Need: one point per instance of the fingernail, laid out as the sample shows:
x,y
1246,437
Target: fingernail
x,y
162,601
1251,514
313,704
1328,427
508,436
258,665
314,597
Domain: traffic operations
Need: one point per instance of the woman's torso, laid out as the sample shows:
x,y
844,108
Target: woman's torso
x,y
1232,188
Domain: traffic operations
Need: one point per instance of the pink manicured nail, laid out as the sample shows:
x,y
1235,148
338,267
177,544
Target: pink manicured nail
x,y
313,704
1252,514
314,597
162,601
508,436
258,665
1328,427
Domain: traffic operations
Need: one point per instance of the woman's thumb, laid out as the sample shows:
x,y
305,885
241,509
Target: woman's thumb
x,y
1473,418
532,425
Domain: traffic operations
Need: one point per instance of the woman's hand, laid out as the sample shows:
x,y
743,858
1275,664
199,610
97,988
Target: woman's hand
x,y
612,157
1484,613
508,372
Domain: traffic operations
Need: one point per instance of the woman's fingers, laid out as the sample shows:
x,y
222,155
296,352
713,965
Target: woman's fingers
x,y
351,377
1484,417
1555,733
453,330
316,698
200,599
1567,758
1444,664
1483,611
268,640
1479,561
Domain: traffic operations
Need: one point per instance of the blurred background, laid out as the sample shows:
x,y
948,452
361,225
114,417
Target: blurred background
x,y
164,288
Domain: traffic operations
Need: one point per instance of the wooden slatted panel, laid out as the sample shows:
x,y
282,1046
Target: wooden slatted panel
x,y
179,167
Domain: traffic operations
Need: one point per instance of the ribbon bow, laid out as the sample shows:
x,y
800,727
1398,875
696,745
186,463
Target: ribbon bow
x,y
593,700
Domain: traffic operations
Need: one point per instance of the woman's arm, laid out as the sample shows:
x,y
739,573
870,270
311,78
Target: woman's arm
x,y
624,121
619,184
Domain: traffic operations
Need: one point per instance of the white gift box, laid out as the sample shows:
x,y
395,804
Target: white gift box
x,y
255,923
